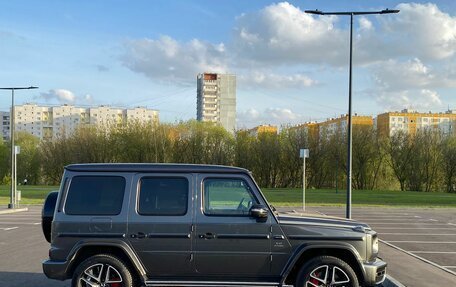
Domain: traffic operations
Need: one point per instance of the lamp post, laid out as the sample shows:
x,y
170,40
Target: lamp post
x,y
13,200
304,153
349,124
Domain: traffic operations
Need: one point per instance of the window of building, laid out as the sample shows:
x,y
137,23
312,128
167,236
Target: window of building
x,y
95,195
163,196
225,196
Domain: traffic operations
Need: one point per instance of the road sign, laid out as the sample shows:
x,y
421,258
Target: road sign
x,y
304,152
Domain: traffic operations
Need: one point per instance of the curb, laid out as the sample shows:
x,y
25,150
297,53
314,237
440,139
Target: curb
x,y
7,211
391,282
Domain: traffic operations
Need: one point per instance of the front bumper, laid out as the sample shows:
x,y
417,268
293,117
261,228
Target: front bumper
x,y
55,269
374,272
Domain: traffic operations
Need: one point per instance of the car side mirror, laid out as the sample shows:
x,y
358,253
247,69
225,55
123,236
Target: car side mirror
x,y
259,212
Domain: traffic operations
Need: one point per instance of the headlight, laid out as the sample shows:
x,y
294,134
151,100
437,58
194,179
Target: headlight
x,y
375,245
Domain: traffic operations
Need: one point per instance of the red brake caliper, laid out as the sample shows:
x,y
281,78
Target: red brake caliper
x,y
313,280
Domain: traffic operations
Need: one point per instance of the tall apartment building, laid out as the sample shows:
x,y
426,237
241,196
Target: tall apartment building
x,y
411,122
5,125
216,99
47,122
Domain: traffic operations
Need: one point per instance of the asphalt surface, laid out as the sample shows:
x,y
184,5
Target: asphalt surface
x,y
412,237
22,248
419,244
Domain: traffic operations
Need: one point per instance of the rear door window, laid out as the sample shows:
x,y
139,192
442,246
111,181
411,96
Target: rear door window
x,y
163,196
95,195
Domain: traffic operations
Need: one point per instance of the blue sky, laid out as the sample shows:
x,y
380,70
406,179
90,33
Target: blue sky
x,y
291,67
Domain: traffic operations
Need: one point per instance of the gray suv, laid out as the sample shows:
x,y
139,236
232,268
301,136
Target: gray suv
x,y
123,225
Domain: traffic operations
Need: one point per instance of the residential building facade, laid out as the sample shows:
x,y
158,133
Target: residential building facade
x,y
411,122
46,122
216,99
5,125
332,125
262,129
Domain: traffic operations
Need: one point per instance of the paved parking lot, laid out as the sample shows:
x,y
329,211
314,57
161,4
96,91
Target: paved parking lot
x,y
22,248
427,234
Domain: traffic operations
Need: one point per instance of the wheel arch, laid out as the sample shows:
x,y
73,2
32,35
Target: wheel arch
x,y
341,250
84,250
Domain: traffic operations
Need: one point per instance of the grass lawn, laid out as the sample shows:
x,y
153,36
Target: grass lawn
x,y
293,197
31,194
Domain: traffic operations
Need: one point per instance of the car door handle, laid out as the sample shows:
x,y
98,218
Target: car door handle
x,y
207,236
139,235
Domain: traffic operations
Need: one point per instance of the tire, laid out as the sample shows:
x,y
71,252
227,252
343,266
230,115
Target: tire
x,y
315,271
114,273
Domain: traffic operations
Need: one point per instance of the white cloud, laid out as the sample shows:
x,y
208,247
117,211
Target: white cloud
x,y
88,98
412,99
395,75
270,80
282,34
271,46
276,116
61,95
64,96
409,84
168,59
424,30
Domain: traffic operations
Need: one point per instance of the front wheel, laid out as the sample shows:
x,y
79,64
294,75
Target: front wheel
x,y
102,270
327,271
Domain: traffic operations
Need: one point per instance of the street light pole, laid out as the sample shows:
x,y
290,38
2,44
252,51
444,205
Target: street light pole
x,y
13,200
349,122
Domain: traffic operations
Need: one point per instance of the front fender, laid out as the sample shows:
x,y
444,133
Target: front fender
x,y
328,245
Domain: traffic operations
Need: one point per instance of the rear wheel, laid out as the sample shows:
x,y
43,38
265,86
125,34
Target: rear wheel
x,y
327,271
102,270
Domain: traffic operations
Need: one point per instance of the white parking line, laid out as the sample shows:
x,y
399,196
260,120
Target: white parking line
x,y
420,242
419,257
9,228
426,234
405,219
404,222
408,223
424,228
433,252
17,223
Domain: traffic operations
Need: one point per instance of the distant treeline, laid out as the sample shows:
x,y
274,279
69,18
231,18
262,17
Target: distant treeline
x,y
423,162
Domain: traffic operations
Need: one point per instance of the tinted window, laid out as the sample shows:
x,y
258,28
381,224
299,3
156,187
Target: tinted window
x,y
95,195
227,197
163,196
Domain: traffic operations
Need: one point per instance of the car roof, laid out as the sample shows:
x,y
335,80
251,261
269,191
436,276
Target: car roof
x,y
155,167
